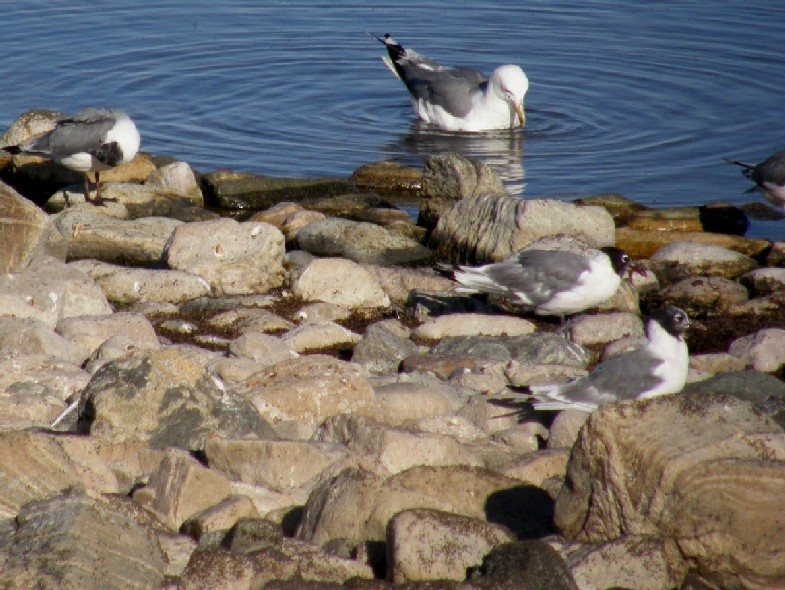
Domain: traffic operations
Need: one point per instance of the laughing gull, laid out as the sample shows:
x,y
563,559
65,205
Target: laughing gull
x,y
768,176
458,99
657,367
551,282
90,141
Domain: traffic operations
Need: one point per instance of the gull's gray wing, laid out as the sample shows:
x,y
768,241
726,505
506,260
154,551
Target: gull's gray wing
x,y
452,89
84,132
620,378
538,274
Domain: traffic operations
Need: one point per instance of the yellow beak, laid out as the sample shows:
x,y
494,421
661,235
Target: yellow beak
x,y
519,112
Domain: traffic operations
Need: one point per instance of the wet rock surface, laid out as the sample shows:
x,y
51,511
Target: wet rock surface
x,y
299,399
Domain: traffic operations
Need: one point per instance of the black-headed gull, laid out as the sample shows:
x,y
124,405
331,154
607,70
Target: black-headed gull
x,y
551,282
657,367
91,141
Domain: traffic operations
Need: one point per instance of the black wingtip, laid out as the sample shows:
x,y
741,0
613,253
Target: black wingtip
x,y
12,149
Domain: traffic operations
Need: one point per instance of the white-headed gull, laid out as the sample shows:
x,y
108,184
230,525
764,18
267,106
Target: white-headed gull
x,y
551,282
459,99
90,141
768,176
657,367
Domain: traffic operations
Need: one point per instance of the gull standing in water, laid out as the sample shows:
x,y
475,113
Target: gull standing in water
x,y
768,176
551,282
91,141
657,367
459,99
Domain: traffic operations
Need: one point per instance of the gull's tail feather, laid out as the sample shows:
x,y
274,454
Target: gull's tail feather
x,y
395,52
746,167
473,280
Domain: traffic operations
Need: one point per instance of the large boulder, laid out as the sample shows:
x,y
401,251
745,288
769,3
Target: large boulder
x,y
25,231
704,471
493,227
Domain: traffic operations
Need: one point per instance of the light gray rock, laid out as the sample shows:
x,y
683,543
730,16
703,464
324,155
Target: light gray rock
x,y
692,258
536,468
90,332
263,349
33,466
414,397
492,228
587,330
275,464
180,487
321,335
28,336
705,292
473,324
763,351
110,349
361,242
309,389
565,428
765,281
60,378
433,545
132,242
390,450
399,282
643,563
457,427
48,290
339,281
177,177
383,347
26,232
82,532
249,320
165,397
450,177
235,258
125,286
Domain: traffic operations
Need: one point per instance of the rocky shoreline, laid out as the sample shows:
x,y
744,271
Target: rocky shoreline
x,y
263,383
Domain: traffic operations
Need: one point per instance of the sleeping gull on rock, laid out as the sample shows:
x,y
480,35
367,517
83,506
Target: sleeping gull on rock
x,y
768,176
551,282
91,141
459,99
657,367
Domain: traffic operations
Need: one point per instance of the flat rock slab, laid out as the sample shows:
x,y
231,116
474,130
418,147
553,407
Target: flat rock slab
x,y
235,190
131,242
361,242
96,547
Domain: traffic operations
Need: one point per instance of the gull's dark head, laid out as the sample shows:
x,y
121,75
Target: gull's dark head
x,y
622,263
673,320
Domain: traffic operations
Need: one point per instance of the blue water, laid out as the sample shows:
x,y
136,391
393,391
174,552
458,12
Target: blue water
x,y
640,98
